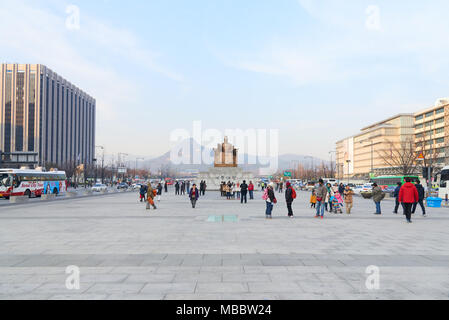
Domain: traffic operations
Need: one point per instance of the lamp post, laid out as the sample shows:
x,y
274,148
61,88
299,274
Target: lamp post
x,y
135,168
348,162
102,164
332,163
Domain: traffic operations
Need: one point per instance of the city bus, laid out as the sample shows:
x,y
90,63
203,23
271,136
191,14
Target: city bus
x,y
443,183
391,181
31,183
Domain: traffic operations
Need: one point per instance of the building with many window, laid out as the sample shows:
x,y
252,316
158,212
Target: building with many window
x,y
432,133
363,154
43,114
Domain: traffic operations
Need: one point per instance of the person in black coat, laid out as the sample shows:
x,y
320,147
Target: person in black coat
x,y
166,187
421,194
243,192
177,188
396,196
289,199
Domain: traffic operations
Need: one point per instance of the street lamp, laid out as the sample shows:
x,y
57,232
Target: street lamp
x,y
332,163
348,162
102,164
135,168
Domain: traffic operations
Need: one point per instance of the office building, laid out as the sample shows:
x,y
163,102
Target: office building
x,y
44,115
362,155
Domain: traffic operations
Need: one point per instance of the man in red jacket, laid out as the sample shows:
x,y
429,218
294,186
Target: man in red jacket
x,y
408,195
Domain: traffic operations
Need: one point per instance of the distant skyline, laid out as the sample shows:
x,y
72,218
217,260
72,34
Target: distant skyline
x,y
316,70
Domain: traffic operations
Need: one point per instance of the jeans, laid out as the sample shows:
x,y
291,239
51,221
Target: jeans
x,y
289,208
396,207
421,204
243,198
251,194
349,206
193,201
269,208
378,209
320,207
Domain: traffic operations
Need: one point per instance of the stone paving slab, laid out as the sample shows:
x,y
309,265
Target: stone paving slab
x,y
126,252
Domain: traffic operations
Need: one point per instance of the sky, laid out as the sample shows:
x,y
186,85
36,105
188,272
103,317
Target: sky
x,y
316,70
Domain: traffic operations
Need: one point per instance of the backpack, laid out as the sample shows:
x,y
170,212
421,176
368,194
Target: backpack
x,y
293,193
265,195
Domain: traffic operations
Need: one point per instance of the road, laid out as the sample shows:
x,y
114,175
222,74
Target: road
x,y
220,250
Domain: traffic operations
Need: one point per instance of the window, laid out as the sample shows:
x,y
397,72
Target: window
x,y
429,114
31,111
439,131
8,110
420,117
440,140
429,124
419,126
439,121
440,111
419,136
20,110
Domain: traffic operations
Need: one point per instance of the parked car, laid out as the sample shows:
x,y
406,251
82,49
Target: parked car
x,y
122,186
99,187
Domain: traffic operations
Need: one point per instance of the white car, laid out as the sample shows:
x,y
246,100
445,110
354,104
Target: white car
x,y
99,187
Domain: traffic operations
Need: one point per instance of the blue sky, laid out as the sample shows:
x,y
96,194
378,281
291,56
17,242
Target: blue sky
x,y
317,70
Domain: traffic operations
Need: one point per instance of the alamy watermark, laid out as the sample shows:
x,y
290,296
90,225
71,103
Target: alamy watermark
x,y
373,18
255,146
72,282
73,20
373,279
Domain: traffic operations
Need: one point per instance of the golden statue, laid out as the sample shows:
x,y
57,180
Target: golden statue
x,y
225,155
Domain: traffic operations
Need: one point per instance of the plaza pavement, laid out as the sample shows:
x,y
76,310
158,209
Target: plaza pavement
x,y
220,250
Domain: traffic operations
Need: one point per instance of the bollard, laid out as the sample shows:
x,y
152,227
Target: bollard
x,y
18,199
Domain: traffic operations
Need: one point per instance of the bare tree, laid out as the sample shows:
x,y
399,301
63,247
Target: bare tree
x,y
400,157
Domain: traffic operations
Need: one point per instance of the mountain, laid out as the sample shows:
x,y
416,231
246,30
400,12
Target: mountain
x,y
285,162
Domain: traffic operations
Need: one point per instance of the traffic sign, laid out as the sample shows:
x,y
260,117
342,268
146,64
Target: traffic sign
x,y
421,157
287,174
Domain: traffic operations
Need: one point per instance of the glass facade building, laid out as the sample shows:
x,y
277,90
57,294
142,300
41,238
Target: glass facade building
x,y
42,112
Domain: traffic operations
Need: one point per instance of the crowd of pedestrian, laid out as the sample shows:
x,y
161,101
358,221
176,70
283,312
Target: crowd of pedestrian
x,y
324,198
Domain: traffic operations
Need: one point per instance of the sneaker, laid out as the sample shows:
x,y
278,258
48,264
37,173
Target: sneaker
x,y
322,217
317,216
409,221
424,215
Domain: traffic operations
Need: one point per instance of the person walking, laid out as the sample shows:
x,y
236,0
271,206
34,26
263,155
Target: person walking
x,y
183,188
342,189
378,196
349,201
396,196
281,187
243,192
177,188
313,199
142,193
408,196
204,187
188,186
251,190
166,187
238,190
150,197
228,191
194,195
421,196
270,200
159,192
329,197
321,194
290,196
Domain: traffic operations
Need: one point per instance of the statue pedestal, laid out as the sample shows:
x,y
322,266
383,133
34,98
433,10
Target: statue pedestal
x,y
215,176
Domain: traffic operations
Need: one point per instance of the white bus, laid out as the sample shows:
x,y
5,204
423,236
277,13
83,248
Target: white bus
x,y
443,183
31,183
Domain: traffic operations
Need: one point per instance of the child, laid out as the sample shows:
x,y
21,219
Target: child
x,y
313,200
338,203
